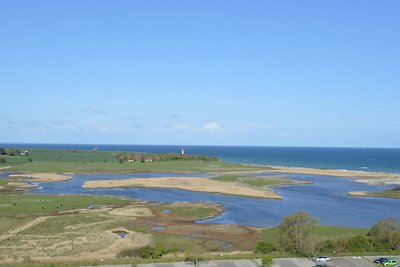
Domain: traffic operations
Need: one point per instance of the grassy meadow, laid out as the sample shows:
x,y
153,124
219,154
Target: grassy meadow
x,y
79,161
257,181
269,235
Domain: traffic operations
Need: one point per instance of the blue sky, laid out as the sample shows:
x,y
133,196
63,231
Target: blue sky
x,y
273,73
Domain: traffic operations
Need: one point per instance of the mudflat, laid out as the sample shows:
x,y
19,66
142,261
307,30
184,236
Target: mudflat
x,y
188,183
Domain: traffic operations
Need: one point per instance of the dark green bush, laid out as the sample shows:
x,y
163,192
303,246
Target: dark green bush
x,y
264,247
360,243
266,261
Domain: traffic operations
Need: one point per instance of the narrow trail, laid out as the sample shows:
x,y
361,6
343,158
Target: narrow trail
x,y
23,227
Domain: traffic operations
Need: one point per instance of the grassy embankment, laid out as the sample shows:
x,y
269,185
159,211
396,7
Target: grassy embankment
x,y
258,181
322,232
71,161
390,193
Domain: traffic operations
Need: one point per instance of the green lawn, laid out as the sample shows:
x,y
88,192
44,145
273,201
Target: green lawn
x,y
71,155
190,212
256,181
386,193
14,160
84,161
323,232
22,205
114,167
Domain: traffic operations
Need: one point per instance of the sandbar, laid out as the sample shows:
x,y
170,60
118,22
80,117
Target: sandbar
x,y
43,177
22,185
358,193
373,178
188,183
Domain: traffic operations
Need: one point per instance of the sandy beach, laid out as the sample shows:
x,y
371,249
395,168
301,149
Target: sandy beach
x,y
187,183
43,177
359,176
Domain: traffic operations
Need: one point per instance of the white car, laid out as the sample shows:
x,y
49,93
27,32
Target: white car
x,y
322,259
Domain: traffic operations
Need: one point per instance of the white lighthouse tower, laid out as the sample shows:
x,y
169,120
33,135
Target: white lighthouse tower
x,y
182,152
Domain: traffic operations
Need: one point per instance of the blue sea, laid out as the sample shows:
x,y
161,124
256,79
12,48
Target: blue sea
x,y
359,159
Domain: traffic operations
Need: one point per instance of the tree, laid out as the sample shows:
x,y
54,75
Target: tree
x,y
387,231
10,151
295,230
2,151
194,253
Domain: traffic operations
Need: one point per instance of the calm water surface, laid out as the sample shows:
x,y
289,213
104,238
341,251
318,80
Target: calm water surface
x,y
326,199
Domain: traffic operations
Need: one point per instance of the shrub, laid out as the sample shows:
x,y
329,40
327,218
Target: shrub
x,y
127,253
266,261
264,247
360,243
10,151
327,246
387,231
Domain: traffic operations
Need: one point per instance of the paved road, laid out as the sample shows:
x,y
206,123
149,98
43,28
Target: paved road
x,y
282,262
216,263
336,262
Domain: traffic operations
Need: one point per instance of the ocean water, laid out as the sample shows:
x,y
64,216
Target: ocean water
x,y
359,159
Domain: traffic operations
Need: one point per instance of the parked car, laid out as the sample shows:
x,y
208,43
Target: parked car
x,y
389,262
322,259
380,260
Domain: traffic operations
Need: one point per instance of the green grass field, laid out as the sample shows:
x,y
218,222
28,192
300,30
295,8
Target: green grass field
x,y
322,232
22,205
83,161
256,181
386,193
189,212
114,167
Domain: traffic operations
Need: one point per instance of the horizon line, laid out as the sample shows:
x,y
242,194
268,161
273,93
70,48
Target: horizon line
x,y
211,145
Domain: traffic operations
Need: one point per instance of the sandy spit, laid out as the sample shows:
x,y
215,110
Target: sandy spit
x,y
359,176
358,194
43,177
187,183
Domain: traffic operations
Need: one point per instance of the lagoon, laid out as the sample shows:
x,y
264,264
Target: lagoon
x,y
326,199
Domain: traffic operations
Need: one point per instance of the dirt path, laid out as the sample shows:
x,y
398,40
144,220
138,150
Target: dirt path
x,y
23,227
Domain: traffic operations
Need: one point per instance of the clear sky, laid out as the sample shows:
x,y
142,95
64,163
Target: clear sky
x,y
207,72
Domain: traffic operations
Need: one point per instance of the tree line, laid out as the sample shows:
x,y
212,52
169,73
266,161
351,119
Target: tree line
x,y
297,234
146,157
12,152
